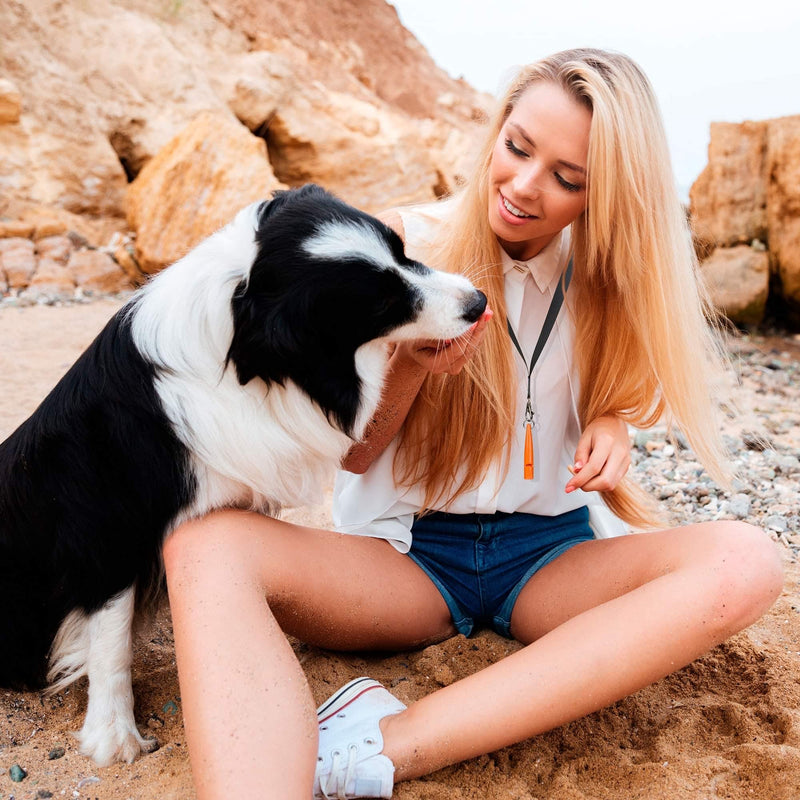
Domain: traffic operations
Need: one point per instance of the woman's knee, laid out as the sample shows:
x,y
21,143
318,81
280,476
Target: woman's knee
x,y
746,571
223,535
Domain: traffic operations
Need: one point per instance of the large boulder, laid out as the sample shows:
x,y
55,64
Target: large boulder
x,y
195,185
783,206
729,198
370,156
67,166
17,262
737,280
96,272
750,192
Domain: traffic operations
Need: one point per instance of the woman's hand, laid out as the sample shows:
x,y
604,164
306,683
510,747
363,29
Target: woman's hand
x,y
602,457
446,356
409,363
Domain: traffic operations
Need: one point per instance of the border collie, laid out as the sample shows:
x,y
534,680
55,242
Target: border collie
x,y
238,376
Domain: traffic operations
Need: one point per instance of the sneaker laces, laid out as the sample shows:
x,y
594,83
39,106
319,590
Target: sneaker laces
x,y
340,775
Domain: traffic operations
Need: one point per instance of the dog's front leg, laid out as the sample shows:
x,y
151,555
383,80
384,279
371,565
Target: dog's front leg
x,y
109,731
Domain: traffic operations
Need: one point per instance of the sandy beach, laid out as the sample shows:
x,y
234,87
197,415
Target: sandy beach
x,y
726,726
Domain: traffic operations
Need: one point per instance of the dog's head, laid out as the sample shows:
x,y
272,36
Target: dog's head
x,y
326,280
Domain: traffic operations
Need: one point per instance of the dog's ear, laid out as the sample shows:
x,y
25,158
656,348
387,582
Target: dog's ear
x,y
264,341
269,207
247,334
282,197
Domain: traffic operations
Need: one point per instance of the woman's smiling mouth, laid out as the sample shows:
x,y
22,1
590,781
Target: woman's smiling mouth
x,y
512,214
514,210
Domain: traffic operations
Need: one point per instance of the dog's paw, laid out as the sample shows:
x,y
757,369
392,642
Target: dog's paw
x,y
110,742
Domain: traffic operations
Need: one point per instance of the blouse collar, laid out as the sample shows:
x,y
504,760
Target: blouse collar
x,y
545,267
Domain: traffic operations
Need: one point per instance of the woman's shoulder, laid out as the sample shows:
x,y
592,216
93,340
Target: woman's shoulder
x,y
418,224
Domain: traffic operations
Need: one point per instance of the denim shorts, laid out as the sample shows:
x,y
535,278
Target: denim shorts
x,y
480,562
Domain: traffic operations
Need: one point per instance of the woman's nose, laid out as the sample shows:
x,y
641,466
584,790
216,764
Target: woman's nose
x,y
528,181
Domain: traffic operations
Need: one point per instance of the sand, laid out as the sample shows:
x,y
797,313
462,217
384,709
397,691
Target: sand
x,y
727,726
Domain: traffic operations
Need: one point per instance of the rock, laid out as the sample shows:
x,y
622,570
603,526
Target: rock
x,y
17,262
783,205
56,752
750,192
125,256
10,102
50,227
56,248
96,272
371,157
255,84
94,107
52,278
776,523
170,708
97,111
16,228
17,773
196,184
74,168
728,201
40,221
737,279
360,49
740,506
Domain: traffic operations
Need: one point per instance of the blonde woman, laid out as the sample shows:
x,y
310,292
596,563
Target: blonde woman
x,y
468,503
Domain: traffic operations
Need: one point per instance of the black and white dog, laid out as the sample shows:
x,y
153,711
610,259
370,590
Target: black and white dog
x,y
239,376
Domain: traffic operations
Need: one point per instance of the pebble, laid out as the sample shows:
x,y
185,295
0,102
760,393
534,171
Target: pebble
x,y
17,774
739,506
56,752
763,440
776,523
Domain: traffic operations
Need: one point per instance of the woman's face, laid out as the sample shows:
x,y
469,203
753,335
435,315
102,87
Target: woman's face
x,y
537,176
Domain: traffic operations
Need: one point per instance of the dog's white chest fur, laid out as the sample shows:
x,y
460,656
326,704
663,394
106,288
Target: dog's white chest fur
x,y
263,447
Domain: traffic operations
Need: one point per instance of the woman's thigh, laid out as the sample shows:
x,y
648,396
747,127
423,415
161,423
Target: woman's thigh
x,y
733,568
332,590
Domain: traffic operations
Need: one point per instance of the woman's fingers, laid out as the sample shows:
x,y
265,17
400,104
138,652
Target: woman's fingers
x,y
450,355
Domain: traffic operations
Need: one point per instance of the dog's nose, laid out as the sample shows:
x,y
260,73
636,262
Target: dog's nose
x,y
474,306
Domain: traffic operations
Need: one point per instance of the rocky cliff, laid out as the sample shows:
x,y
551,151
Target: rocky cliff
x,y
133,128
745,209
165,116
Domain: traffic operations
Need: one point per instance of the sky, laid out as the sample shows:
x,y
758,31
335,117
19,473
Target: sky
x,y
708,61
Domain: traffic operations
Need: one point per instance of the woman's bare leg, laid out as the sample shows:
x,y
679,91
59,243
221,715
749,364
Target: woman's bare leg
x,y
605,619
235,579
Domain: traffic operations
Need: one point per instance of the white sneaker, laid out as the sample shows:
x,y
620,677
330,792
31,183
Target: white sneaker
x,y
350,763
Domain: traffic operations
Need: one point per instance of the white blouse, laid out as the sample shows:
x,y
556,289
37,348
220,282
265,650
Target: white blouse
x,y
372,505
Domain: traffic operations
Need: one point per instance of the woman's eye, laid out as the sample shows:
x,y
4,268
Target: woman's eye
x,y
514,149
570,187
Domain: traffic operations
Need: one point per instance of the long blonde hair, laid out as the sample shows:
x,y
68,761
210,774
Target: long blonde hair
x,y
644,350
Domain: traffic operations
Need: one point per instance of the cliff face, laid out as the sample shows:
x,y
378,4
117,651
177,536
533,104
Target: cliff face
x,y
745,209
336,92
153,121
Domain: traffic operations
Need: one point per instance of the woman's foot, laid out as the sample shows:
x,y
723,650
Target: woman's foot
x,y
350,763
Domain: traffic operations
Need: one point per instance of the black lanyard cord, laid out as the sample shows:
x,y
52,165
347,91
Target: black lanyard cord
x,y
547,327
